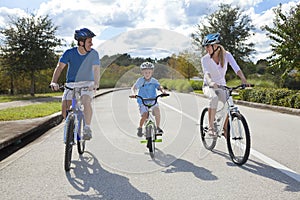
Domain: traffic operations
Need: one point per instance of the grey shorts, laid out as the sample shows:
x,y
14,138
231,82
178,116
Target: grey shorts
x,y
144,109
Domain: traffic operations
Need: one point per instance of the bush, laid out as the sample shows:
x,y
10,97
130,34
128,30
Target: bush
x,y
180,85
277,97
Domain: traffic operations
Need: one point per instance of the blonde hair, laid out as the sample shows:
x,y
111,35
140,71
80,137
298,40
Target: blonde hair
x,y
221,55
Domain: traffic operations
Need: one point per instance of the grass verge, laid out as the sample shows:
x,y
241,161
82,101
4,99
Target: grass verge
x,y
30,111
8,98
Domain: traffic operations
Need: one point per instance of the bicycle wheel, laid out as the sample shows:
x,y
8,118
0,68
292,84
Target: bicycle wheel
x,y
80,141
69,141
151,140
238,139
208,141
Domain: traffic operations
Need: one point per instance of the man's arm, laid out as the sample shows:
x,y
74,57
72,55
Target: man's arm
x,y
59,68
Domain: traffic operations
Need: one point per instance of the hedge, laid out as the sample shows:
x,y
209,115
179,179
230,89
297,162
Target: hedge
x,y
277,97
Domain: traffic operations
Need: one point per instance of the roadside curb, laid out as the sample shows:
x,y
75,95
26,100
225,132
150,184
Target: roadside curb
x,y
291,111
39,126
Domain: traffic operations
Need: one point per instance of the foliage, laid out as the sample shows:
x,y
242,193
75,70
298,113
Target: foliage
x,y
181,85
31,111
28,47
285,34
234,28
277,97
182,65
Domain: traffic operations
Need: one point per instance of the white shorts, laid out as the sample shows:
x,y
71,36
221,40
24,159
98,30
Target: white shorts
x,y
68,94
214,95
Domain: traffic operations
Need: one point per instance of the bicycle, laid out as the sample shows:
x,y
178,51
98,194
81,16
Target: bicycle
x,y
237,132
149,125
73,127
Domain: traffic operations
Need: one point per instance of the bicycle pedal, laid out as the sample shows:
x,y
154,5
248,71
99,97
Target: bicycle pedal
x,y
158,140
143,141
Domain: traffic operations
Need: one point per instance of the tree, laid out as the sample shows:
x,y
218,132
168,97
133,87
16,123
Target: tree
x,y
285,35
186,68
28,46
234,28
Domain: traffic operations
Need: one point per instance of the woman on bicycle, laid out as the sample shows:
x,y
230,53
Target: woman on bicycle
x,y
214,65
147,86
83,71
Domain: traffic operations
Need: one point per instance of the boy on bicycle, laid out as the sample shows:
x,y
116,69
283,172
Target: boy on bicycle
x,y
147,86
83,71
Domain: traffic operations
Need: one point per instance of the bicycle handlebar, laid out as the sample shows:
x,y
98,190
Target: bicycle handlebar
x,y
62,87
242,86
149,99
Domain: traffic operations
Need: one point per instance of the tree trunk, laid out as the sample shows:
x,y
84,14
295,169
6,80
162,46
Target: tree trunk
x,y
11,84
32,87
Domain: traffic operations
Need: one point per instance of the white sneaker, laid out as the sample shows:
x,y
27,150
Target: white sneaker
x,y
87,133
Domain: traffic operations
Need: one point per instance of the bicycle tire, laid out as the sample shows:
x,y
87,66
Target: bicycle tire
x,y
69,141
80,141
151,140
209,142
238,146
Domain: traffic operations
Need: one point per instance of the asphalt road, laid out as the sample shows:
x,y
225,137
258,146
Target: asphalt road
x,y
117,166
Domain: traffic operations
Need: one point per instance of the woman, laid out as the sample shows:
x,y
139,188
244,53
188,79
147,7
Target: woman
x,y
214,65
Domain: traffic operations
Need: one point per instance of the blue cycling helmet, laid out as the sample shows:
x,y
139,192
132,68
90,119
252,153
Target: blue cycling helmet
x,y
213,38
83,34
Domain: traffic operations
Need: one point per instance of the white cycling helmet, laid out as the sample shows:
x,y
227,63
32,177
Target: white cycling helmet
x,y
146,65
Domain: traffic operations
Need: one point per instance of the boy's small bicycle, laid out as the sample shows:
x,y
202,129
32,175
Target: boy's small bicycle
x,y
74,124
149,125
236,132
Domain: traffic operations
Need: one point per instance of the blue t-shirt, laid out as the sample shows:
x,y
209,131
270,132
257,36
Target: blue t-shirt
x,y
147,89
80,67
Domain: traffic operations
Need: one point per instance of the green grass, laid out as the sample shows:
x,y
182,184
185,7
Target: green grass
x,y
29,112
8,98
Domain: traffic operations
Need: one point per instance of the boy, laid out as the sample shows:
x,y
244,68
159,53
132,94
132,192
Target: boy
x,y
147,86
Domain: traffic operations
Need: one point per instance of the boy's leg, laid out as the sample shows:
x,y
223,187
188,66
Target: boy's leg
x,y
156,112
144,117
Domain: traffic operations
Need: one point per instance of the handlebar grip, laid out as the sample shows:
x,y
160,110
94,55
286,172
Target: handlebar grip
x,y
164,95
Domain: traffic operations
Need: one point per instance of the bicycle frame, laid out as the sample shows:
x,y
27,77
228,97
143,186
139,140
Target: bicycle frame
x,y
77,111
227,110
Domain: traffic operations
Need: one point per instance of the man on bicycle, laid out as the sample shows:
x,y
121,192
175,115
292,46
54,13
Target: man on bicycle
x,y
147,86
83,71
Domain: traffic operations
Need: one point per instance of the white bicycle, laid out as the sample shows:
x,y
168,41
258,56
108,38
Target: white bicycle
x,y
237,132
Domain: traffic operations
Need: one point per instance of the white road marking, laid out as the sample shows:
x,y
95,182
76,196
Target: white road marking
x,y
289,172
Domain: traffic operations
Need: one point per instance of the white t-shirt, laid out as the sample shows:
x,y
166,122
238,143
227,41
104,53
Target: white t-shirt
x,y
216,71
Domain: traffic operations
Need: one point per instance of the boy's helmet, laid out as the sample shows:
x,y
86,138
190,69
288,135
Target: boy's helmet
x,y
83,34
213,38
146,65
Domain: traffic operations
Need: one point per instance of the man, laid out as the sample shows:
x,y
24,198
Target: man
x,y
83,71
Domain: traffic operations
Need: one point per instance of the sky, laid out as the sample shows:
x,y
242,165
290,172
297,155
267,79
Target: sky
x,y
142,27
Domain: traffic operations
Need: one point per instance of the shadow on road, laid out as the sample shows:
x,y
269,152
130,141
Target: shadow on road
x,y
90,178
266,171
179,165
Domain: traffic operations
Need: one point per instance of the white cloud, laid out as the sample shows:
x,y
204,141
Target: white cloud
x,y
108,18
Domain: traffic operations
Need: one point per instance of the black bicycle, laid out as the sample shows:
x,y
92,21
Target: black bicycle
x,y
237,131
149,125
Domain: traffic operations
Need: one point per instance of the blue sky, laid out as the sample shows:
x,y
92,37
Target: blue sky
x,y
110,19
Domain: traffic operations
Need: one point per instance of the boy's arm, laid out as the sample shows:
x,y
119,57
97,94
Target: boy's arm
x,y
161,88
